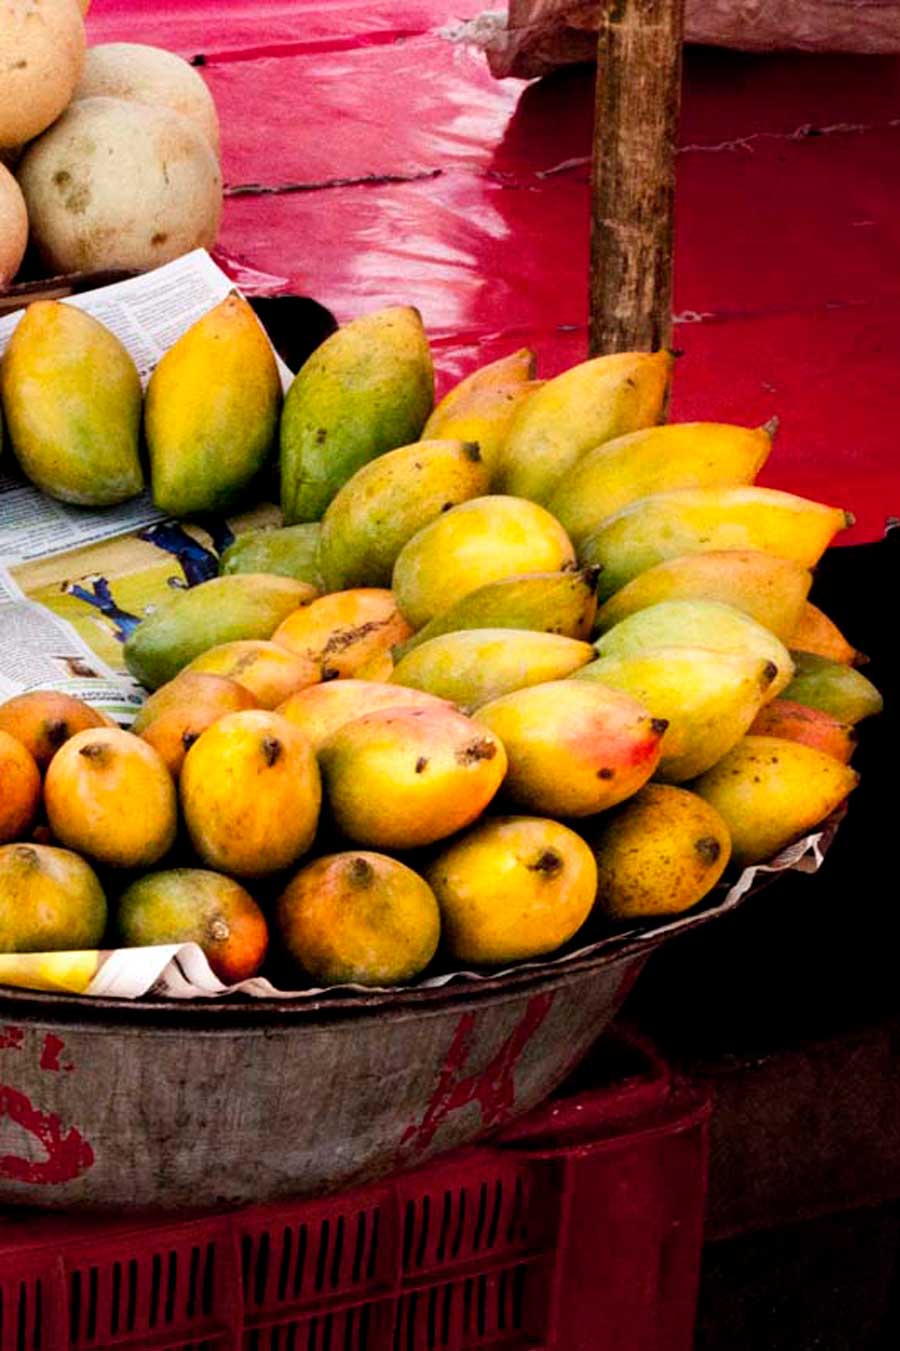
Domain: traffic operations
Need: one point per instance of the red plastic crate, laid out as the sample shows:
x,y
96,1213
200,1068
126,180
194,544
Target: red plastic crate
x,y
579,1229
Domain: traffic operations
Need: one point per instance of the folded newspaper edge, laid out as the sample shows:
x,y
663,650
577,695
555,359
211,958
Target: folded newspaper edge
x,y
181,971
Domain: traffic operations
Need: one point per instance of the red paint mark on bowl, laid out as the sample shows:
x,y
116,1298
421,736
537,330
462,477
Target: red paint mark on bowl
x,y
68,1154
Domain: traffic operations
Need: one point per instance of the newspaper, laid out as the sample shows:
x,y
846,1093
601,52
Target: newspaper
x,y
75,581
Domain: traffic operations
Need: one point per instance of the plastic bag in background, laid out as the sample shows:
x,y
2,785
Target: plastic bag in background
x,y
540,36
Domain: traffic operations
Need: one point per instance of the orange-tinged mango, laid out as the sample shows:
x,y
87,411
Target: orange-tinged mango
x,y
320,710
267,670
50,900
43,719
483,414
339,633
173,718
818,634
811,726
512,888
20,788
110,796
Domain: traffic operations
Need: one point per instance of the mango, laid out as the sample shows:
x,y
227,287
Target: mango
x,y
512,888
403,777
223,610
811,726
473,666
288,552
110,796
388,501
834,688
192,905
250,793
770,792
574,747
379,668
483,414
543,602
369,388
700,623
659,853
480,541
50,901
695,520
656,460
72,401
709,700
20,788
358,918
172,719
590,403
320,710
43,719
516,368
771,590
338,634
818,634
211,411
266,670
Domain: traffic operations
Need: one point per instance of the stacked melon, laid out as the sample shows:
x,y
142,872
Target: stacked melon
x,y
111,152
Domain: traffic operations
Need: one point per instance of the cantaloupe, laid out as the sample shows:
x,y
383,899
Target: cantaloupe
x,y
13,227
142,74
114,184
41,54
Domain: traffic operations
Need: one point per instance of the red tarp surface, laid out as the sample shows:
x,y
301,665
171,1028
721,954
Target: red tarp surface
x,y
469,198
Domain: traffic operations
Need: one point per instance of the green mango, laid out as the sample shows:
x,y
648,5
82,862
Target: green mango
x,y
223,610
834,688
72,400
369,388
288,552
387,502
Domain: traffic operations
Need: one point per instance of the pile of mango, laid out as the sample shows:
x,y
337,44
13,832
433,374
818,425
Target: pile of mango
x,y
516,668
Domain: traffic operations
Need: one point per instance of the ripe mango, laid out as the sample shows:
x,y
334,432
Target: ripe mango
x,y
289,552
43,719
482,407
369,388
589,403
359,918
250,792
694,520
709,700
109,795
339,633
320,710
473,666
818,634
50,901
771,590
699,623
513,888
480,541
656,460
770,792
223,610
386,502
834,688
811,726
403,777
211,411
172,719
658,854
20,788
266,670
192,905
543,602
574,747
379,668
72,400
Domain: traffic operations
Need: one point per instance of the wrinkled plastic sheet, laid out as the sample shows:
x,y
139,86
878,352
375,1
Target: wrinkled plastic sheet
x,y
370,159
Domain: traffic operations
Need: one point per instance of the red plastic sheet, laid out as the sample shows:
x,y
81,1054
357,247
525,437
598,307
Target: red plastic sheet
x,y
370,160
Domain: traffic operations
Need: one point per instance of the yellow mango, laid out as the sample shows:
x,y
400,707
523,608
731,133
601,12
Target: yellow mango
x,y
480,541
339,633
656,460
50,901
72,402
834,688
771,590
484,416
474,666
321,710
694,520
266,670
211,412
658,854
770,792
574,747
816,633
367,389
709,699
590,403
512,888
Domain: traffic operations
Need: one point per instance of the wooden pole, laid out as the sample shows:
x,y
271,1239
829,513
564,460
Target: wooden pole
x,y
633,187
